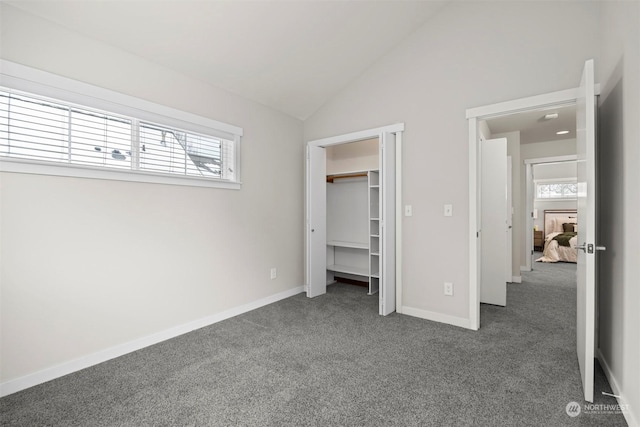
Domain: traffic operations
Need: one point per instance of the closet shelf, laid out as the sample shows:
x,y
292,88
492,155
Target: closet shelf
x,y
375,253
331,178
349,269
342,244
374,219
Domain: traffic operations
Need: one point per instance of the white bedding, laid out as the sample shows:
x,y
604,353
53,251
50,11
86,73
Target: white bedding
x,y
553,252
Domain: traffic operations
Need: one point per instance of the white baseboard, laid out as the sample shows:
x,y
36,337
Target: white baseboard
x,y
630,416
525,268
437,317
516,279
65,368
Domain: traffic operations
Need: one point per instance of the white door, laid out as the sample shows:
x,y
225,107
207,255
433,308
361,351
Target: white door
x,y
493,228
586,141
388,224
509,258
316,221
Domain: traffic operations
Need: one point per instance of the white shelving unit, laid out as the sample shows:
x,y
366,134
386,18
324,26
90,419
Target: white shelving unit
x,y
374,231
353,228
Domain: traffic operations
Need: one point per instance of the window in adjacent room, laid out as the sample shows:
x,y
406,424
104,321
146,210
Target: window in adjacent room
x,y
556,190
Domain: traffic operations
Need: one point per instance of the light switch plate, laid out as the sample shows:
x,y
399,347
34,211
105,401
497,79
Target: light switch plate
x,y
408,210
448,210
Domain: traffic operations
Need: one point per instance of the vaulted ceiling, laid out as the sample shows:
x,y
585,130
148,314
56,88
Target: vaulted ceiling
x,y
292,56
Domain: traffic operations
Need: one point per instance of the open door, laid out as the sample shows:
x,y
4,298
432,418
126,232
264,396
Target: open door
x,y
316,221
494,224
388,224
509,251
586,286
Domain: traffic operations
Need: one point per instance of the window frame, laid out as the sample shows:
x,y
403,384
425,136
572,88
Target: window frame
x,y
20,78
558,181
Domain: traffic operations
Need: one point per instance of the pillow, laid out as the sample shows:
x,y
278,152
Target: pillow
x,y
570,227
559,222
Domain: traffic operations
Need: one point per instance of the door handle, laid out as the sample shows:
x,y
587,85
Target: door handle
x,y
589,247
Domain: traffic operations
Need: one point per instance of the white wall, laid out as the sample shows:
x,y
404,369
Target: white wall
x,y
90,264
470,54
619,204
353,157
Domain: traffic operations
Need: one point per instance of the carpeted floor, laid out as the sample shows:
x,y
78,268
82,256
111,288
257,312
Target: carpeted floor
x,y
333,361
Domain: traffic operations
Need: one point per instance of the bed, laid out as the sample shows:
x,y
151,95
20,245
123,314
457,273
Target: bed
x,y
560,236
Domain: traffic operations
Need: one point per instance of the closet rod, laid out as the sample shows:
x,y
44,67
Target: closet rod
x,y
330,178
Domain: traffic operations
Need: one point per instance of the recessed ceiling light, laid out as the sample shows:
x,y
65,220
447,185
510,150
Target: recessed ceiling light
x,y
551,116
562,132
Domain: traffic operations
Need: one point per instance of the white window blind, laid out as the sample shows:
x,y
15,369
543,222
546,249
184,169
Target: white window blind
x,y
168,150
556,190
46,130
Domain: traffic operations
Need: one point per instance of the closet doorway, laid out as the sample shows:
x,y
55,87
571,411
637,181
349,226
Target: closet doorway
x,y
364,245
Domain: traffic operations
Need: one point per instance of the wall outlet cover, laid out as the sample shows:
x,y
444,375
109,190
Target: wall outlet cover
x,y
448,288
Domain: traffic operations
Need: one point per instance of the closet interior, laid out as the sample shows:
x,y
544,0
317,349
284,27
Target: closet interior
x,y
353,214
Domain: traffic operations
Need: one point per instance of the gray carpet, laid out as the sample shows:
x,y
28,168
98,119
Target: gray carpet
x,y
333,361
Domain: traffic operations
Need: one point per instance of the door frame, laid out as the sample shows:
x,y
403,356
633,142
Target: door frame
x,y
474,115
396,129
530,196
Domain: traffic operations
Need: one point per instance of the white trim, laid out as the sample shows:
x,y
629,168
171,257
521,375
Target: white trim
x,y
399,219
474,232
563,97
558,199
19,78
555,159
569,180
528,214
48,374
525,268
437,317
15,165
632,418
357,136
516,279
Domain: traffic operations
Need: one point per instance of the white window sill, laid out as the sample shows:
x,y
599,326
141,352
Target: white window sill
x,y
76,171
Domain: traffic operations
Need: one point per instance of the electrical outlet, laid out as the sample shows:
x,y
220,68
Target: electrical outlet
x,y
448,210
448,288
274,273
408,210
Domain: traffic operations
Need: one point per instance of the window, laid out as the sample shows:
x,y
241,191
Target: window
x,y
41,129
556,190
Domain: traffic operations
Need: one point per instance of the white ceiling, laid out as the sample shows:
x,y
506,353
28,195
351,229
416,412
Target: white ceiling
x,y
534,127
292,56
